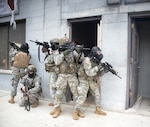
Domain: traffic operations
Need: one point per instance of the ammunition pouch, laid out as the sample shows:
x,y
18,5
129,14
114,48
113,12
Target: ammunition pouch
x,y
90,78
62,68
81,71
83,75
68,69
51,68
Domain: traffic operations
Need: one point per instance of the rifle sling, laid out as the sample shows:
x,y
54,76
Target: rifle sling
x,y
39,55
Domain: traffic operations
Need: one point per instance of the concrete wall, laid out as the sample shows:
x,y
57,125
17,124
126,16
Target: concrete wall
x,y
114,45
47,19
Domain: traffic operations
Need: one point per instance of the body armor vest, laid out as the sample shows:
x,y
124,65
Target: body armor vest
x,y
83,75
68,65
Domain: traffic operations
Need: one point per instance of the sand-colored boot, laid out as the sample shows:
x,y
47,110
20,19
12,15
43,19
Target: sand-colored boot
x,y
51,104
80,114
53,112
75,115
35,104
99,111
11,100
57,112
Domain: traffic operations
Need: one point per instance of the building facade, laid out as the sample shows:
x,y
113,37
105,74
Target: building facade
x,y
119,27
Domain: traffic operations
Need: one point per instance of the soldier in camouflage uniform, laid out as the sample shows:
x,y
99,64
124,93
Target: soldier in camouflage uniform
x,y
51,67
33,82
17,73
66,61
88,74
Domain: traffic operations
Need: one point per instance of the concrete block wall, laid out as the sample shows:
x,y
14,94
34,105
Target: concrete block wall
x,y
114,46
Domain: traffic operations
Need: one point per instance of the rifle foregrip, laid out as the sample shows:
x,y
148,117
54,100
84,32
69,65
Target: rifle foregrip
x,y
114,72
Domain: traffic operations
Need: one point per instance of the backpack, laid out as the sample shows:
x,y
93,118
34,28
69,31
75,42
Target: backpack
x,y
21,60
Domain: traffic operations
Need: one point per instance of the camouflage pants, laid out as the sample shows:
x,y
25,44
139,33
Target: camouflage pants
x,y
61,84
32,99
52,84
83,88
17,74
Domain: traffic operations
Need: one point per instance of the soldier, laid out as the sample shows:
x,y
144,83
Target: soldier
x,y
32,82
67,62
51,67
19,64
88,74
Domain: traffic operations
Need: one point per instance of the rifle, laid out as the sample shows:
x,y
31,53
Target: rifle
x,y
14,45
66,45
72,46
26,96
109,67
45,45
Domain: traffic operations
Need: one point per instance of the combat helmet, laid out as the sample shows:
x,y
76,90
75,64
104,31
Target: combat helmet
x,y
54,43
63,40
24,48
31,67
96,54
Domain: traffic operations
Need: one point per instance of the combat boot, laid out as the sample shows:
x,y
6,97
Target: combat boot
x,y
53,112
80,114
51,104
11,100
99,111
75,115
35,104
57,112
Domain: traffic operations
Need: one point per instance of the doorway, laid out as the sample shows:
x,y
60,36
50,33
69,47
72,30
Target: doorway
x,y
139,69
85,31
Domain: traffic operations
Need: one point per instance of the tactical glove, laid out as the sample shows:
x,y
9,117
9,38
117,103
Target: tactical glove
x,y
66,52
44,49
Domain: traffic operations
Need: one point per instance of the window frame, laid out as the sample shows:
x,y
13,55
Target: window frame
x,y
17,35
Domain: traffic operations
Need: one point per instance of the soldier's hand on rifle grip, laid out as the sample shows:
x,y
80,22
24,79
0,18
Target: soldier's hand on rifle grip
x,y
79,48
66,52
28,93
105,66
45,50
72,48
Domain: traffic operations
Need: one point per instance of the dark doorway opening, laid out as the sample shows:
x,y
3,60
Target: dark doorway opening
x,y
85,32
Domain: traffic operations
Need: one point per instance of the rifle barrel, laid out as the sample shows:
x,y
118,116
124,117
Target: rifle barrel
x,y
32,41
119,76
86,48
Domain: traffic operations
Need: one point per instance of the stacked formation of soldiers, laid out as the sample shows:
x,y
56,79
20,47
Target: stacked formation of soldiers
x,y
67,66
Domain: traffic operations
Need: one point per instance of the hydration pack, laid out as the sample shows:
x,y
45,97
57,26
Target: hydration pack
x,y
21,60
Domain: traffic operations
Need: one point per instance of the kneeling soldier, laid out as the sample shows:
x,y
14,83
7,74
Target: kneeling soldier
x,y
31,86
